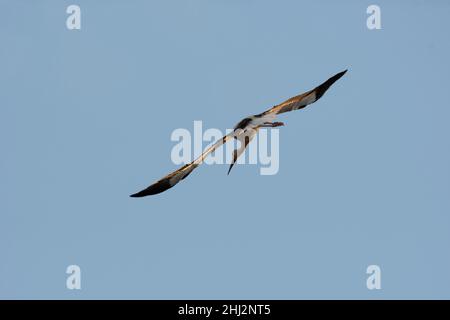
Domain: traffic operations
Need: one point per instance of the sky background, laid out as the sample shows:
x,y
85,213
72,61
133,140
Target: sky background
x,y
86,118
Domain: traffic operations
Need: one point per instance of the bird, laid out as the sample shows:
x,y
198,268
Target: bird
x,y
244,131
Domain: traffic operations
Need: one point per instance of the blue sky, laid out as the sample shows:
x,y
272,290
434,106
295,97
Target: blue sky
x,y
86,118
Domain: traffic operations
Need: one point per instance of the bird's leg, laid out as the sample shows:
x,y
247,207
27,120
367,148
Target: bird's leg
x,y
272,124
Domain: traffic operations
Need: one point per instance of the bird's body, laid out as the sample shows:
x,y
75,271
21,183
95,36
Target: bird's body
x,y
244,131
255,121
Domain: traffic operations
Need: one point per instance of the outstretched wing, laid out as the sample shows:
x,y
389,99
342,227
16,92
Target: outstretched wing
x,y
173,178
302,100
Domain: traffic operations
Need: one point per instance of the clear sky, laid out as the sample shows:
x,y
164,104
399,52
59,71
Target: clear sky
x,y
86,117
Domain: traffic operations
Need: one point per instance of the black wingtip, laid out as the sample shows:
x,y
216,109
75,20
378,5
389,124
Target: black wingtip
x,y
152,190
138,195
229,169
337,76
342,73
320,90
